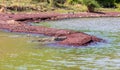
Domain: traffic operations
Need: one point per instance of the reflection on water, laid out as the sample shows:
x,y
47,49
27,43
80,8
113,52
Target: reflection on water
x,y
17,53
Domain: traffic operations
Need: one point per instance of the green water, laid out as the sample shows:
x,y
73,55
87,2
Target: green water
x,y
17,52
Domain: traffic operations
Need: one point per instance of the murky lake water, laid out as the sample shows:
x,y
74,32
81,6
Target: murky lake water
x,y
17,52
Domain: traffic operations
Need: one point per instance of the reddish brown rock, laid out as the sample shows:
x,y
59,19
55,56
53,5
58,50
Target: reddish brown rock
x,y
79,39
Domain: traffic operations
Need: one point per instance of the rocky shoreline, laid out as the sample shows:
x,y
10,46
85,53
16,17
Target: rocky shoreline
x,y
19,23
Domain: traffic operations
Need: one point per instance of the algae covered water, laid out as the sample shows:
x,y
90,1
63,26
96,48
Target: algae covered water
x,y
17,52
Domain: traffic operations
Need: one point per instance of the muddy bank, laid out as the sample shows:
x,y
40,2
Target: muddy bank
x,y
19,23
37,17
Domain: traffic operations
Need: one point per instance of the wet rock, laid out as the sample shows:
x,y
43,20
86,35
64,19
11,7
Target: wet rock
x,y
76,39
79,39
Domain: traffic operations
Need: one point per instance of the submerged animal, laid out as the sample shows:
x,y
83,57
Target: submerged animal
x,y
50,40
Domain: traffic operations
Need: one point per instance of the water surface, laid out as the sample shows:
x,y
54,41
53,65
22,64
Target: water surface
x,y
17,52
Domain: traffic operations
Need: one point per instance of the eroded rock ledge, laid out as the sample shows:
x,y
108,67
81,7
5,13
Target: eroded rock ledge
x,y
18,23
